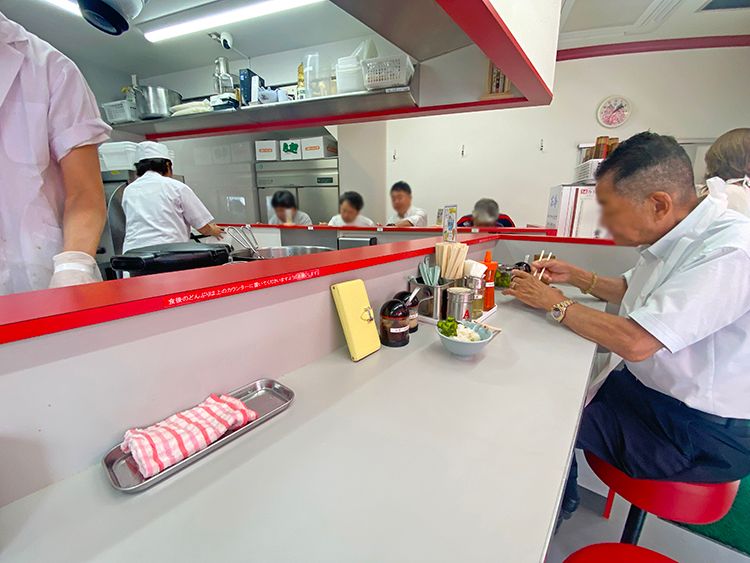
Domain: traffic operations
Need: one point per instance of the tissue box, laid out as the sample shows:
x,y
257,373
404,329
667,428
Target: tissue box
x,y
319,147
291,149
266,150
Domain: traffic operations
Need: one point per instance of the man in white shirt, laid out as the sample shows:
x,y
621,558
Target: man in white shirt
x,y
350,212
285,210
406,215
158,208
678,407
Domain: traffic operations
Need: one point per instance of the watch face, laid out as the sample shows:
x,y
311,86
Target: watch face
x,y
556,314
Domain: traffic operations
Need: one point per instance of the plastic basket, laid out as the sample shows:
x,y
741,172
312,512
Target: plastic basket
x,y
584,172
119,112
387,72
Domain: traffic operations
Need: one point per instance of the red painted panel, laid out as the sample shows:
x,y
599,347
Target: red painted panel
x,y
708,42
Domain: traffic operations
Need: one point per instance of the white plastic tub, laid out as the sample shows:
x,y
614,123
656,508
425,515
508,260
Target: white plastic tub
x,y
117,156
349,75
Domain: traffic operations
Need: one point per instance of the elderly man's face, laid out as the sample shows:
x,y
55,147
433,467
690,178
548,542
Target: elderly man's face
x,y
629,222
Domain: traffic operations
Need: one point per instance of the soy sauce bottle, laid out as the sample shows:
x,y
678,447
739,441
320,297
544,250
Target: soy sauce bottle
x,y
394,324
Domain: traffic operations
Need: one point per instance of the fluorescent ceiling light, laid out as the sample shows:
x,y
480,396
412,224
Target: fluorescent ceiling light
x,y
213,21
70,6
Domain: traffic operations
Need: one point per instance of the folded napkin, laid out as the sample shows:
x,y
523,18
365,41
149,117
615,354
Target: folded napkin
x,y
167,442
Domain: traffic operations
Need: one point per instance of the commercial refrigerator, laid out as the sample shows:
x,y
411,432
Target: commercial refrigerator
x,y
314,183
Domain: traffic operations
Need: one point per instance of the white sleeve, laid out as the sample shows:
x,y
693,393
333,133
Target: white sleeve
x,y
419,218
691,305
303,218
196,214
336,221
366,221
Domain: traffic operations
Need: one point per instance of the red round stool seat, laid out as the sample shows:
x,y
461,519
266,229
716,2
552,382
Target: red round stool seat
x,y
617,553
688,503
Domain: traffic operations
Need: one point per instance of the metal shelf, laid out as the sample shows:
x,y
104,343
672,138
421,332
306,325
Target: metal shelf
x,y
263,117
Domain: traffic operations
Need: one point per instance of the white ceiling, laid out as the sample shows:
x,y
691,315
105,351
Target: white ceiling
x,y
131,53
598,22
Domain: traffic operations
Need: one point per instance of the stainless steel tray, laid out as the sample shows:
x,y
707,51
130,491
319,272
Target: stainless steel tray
x,y
266,397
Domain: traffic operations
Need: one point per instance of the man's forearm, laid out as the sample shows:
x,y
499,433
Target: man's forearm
x,y
624,337
85,210
610,290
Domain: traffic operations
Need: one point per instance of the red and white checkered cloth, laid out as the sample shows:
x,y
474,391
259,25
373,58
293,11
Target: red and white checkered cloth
x,y
167,442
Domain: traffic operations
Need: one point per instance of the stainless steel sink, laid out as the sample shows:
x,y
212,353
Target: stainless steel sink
x,y
247,255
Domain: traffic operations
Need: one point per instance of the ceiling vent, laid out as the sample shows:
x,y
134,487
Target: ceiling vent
x,y
725,5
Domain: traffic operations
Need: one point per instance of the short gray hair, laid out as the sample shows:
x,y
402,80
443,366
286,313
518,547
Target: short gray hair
x,y
486,209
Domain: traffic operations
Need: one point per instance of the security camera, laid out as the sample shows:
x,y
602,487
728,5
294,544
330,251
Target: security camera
x,y
111,16
227,41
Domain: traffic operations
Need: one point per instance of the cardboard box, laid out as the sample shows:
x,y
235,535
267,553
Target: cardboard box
x,y
319,147
587,219
560,208
266,150
290,149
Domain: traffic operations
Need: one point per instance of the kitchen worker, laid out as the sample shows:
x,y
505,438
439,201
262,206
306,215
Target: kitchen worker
x,y
677,408
350,208
52,208
285,210
406,215
158,208
728,168
486,214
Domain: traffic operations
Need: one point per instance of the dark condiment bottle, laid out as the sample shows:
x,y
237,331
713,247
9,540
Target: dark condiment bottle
x,y
522,266
394,324
413,307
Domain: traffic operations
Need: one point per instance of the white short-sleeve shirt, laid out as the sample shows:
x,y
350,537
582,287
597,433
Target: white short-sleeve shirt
x,y
416,216
691,291
300,218
160,210
360,221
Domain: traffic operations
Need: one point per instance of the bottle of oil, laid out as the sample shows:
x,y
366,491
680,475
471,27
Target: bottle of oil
x,y
301,82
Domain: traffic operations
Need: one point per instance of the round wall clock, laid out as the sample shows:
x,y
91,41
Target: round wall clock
x,y
613,111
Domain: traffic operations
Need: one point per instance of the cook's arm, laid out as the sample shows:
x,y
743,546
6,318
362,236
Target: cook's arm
x,y
85,210
211,230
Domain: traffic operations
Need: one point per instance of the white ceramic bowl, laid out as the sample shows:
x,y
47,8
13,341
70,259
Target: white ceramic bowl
x,y
466,349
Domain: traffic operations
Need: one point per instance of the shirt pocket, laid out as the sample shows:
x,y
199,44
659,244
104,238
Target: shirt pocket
x,y
24,132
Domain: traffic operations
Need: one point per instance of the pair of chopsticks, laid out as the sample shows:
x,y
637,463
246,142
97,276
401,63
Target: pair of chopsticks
x,y
541,257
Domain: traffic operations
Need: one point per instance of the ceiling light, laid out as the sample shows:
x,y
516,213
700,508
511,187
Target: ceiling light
x,y
213,21
70,6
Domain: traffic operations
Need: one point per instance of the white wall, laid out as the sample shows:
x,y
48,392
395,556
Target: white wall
x,y
104,82
688,94
358,170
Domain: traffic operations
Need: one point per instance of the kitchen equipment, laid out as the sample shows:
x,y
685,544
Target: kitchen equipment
x,y
228,100
247,255
433,299
314,183
468,349
349,75
153,102
222,78
356,242
387,72
170,258
266,397
394,324
357,318
489,290
245,237
459,303
317,77
117,156
476,285
121,111
412,303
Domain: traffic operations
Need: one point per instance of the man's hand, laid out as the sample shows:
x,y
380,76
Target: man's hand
x,y
535,293
557,271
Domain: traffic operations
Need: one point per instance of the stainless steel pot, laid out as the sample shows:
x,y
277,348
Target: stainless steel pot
x,y
277,252
153,102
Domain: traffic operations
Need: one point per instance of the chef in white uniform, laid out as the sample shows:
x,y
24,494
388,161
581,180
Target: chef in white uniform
x,y
52,208
158,208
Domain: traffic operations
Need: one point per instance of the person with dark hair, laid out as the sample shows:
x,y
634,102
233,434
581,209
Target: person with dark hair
x,y
677,406
350,207
406,215
728,169
284,205
158,208
486,214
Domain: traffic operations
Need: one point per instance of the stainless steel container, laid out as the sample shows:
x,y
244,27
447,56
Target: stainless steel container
x,y
433,300
476,285
459,303
269,252
153,102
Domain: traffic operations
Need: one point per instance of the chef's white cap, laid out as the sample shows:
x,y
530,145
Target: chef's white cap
x,y
150,149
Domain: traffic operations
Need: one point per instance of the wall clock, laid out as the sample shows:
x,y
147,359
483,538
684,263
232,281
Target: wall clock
x,y
613,111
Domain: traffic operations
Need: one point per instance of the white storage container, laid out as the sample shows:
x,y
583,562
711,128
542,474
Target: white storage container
x,y
319,147
121,111
584,172
266,150
349,75
117,156
290,149
387,72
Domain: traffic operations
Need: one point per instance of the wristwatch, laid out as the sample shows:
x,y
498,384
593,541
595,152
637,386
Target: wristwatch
x,y
558,311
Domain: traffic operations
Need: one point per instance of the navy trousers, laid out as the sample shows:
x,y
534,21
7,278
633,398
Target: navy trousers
x,y
650,435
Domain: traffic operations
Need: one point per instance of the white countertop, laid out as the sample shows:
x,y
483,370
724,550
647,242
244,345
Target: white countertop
x,y
410,455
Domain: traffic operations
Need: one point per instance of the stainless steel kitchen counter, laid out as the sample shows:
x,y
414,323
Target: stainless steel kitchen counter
x,y
409,455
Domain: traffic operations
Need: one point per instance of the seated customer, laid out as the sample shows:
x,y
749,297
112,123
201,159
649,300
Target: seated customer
x,y
285,210
728,168
678,407
486,214
350,205
405,214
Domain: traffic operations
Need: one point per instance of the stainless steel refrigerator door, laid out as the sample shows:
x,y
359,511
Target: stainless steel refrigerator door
x,y
319,203
264,201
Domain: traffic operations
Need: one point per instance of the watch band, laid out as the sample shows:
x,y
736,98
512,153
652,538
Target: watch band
x,y
558,311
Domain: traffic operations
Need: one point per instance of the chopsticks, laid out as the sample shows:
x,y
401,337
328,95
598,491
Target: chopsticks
x,y
541,257
451,256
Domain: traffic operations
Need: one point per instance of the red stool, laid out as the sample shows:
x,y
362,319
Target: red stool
x,y
688,503
617,553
